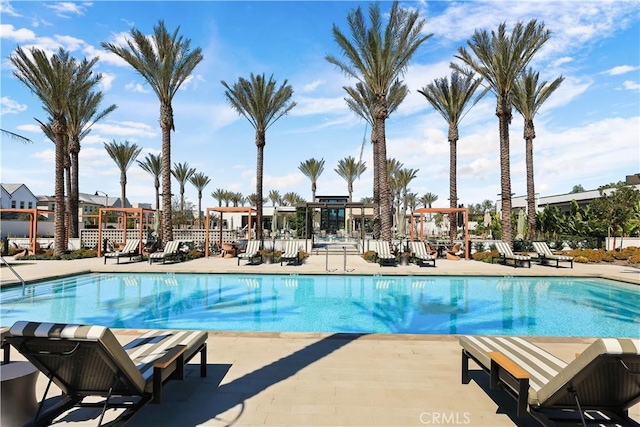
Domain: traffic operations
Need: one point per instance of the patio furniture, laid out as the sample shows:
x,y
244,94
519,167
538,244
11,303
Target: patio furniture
x,y
455,252
88,360
602,380
251,253
291,252
506,254
545,255
420,252
385,257
130,250
171,252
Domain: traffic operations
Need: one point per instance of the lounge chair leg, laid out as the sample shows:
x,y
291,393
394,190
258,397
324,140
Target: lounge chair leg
x,y
575,395
203,361
44,398
106,402
465,367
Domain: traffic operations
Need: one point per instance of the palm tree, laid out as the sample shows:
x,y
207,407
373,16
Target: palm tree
x,y
254,200
291,199
450,100
16,137
152,164
362,101
82,115
54,81
378,57
182,173
260,102
404,177
499,59
528,97
274,196
219,195
165,61
428,199
350,170
312,169
199,180
123,154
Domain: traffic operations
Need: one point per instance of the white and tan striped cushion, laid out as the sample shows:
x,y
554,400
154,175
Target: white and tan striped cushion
x,y
601,376
153,344
541,365
171,248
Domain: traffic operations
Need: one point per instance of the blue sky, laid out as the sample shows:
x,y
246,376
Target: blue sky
x,y
588,132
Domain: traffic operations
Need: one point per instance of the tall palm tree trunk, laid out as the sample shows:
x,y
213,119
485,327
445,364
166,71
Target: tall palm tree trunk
x,y
157,186
123,194
453,186
383,178
166,123
67,185
376,185
74,195
59,241
260,142
199,209
503,111
531,192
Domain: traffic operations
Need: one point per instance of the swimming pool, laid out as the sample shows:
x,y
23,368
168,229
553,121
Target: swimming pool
x,y
527,306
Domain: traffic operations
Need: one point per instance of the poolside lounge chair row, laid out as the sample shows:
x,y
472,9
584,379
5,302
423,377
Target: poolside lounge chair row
x,y
601,382
542,249
291,252
84,360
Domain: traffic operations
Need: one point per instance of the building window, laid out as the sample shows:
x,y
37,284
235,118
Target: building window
x,y
13,204
30,205
22,204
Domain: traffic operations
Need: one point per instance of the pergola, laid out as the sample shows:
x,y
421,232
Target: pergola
x,y
222,210
33,222
423,211
139,212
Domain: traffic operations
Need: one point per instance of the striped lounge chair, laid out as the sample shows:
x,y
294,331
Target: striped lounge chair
x,y
251,253
171,251
84,360
6,348
602,381
420,252
545,255
131,250
384,253
507,254
291,252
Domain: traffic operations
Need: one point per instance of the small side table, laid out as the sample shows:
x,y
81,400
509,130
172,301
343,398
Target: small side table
x,y
18,403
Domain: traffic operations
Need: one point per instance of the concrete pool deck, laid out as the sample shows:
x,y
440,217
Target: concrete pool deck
x,y
298,379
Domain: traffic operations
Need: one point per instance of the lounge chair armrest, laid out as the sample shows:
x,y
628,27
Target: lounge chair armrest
x,y
509,365
176,354
170,357
505,371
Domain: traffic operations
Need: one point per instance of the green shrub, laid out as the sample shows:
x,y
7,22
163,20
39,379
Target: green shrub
x,y
581,259
369,256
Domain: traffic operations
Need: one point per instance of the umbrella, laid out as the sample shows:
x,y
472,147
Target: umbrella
x,y
274,222
487,218
520,226
156,224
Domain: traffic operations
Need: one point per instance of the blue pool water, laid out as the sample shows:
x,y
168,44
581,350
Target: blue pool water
x,y
363,304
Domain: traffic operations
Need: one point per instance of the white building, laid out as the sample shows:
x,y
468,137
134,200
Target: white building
x,y
17,196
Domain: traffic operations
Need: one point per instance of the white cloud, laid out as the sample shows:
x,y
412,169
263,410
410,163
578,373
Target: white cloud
x,y
29,128
621,69
630,85
9,106
107,81
65,9
20,35
7,9
136,87
310,87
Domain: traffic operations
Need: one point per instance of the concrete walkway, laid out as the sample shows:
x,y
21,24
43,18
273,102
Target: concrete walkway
x,y
297,379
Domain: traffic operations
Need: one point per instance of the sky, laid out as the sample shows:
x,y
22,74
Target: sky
x,y
587,133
